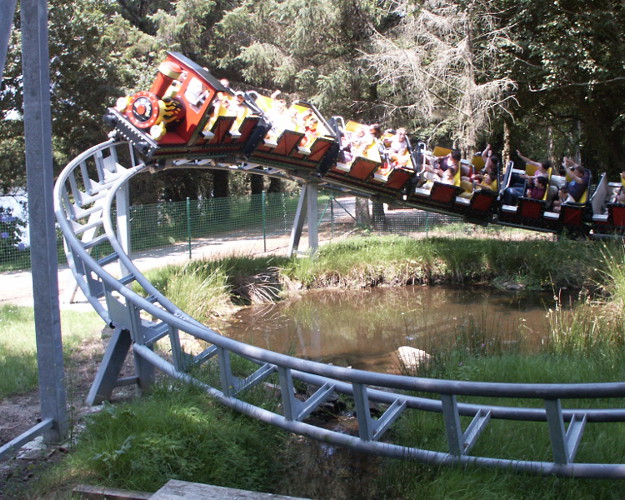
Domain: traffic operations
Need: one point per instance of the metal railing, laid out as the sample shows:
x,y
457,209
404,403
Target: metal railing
x,y
89,198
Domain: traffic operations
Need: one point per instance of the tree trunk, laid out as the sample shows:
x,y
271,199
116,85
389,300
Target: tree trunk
x,y
257,183
221,189
275,185
507,143
363,218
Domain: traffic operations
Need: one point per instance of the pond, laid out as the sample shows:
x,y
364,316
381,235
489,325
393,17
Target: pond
x,y
364,328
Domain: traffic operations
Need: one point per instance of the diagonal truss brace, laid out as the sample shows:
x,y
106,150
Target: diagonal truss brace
x,y
294,409
459,442
563,441
369,428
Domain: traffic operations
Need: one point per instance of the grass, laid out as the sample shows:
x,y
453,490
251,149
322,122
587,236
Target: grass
x,y
18,349
219,285
387,260
175,432
403,260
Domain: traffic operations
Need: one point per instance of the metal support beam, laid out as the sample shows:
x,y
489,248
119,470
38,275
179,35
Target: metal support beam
x,y
452,424
298,223
38,134
307,205
564,442
122,203
110,368
313,224
7,10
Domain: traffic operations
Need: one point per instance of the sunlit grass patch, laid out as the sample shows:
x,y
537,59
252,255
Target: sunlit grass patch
x,y
18,347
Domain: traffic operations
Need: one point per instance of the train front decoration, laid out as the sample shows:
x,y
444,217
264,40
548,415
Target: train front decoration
x,y
190,114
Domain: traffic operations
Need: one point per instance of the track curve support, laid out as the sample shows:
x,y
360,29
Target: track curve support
x,y
156,332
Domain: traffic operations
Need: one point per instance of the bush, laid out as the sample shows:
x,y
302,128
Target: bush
x,y
11,232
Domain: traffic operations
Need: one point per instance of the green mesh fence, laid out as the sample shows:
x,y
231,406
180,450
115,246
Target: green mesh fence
x,y
266,220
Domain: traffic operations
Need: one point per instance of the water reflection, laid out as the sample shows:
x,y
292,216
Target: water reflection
x,y
364,328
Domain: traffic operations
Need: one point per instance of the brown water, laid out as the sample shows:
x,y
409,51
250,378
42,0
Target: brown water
x,y
364,328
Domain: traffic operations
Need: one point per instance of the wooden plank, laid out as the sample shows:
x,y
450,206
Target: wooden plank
x,y
89,492
175,490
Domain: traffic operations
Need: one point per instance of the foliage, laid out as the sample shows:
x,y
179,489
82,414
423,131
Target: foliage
x,y
546,78
11,232
90,64
307,49
595,327
437,68
567,65
209,288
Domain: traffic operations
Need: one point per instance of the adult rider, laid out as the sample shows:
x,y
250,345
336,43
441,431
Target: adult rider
x,y
579,179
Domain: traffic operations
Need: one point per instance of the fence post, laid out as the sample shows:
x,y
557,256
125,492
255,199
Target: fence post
x,y
189,225
264,212
332,216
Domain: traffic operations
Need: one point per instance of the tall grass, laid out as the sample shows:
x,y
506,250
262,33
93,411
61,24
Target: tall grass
x,y
207,289
18,349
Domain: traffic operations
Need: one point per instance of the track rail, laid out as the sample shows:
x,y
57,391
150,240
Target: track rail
x,y
88,210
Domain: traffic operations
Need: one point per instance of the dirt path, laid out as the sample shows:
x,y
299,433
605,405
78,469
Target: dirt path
x,y
17,287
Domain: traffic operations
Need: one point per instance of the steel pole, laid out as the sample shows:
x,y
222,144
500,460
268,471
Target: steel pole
x,y
38,135
7,9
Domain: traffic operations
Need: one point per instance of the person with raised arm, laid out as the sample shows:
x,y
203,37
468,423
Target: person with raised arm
x,y
579,179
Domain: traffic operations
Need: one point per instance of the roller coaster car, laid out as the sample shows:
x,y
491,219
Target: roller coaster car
x,y
297,137
359,156
615,220
572,217
186,113
531,212
394,173
439,194
608,218
479,207
527,213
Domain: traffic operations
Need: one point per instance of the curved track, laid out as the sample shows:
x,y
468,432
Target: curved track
x,y
89,204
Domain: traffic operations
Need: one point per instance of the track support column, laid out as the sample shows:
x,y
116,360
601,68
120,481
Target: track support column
x,y
307,205
38,135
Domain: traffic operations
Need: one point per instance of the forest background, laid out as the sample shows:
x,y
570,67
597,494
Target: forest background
x,y
544,77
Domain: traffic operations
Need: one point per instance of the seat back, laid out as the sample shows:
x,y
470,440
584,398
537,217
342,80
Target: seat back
x,y
443,193
531,208
458,176
600,196
507,176
571,215
483,200
617,215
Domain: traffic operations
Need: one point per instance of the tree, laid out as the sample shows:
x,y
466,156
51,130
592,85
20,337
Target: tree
x,y
89,66
437,68
308,49
568,67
